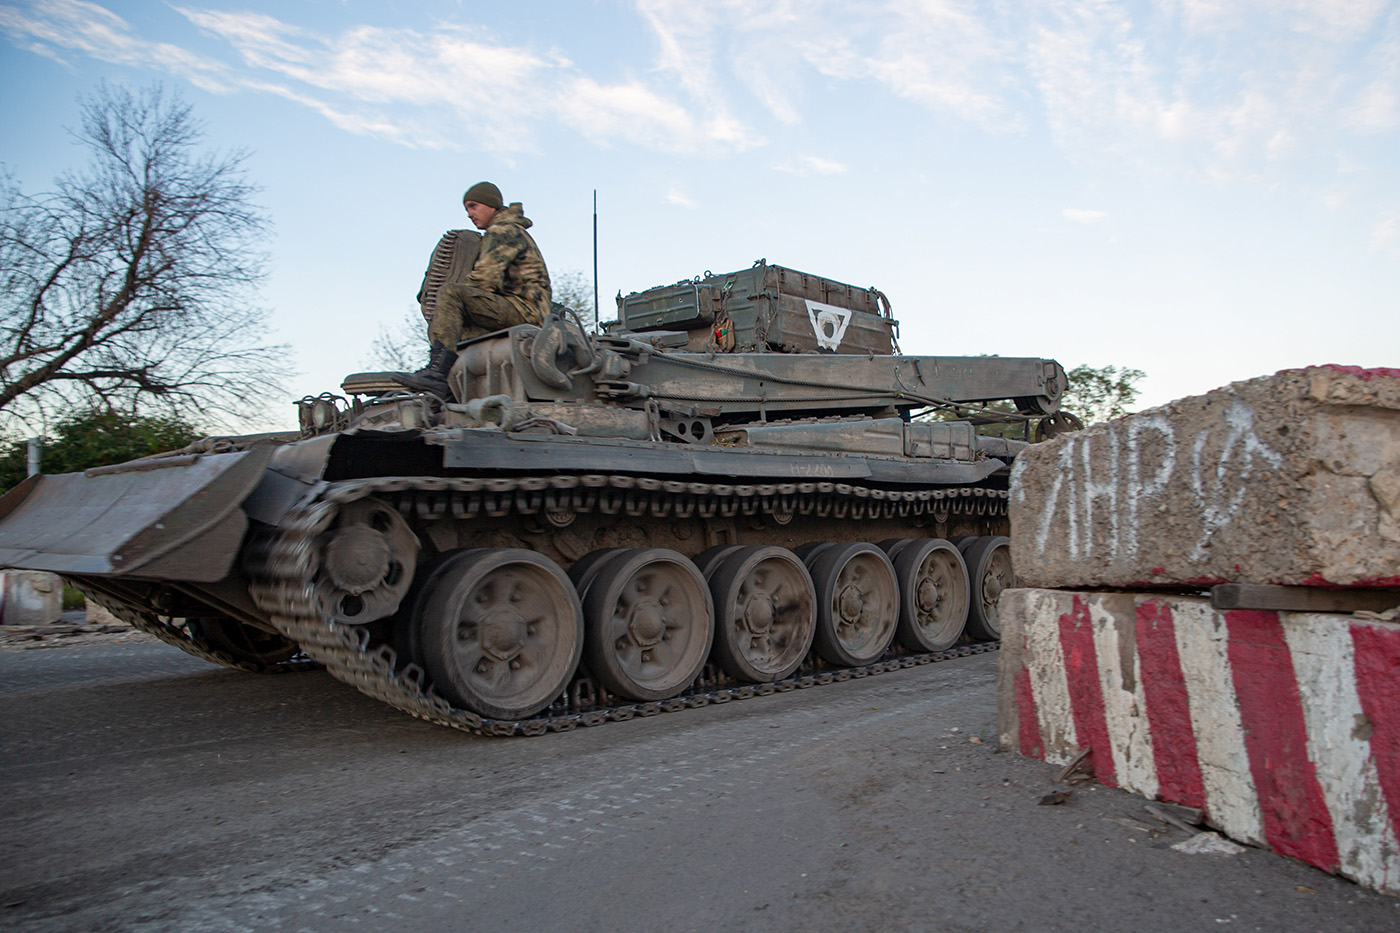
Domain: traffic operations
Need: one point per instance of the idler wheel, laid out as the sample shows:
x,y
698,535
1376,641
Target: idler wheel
x,y
989,568
356,558
367,563
500,631
933,594
857,602
765,613
650,623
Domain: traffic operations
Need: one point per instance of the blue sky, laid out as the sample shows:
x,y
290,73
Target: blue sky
x,y
1206,190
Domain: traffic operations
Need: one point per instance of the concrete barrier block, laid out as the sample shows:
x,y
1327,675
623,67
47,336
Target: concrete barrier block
x,y
1292,478
1283,727
96,615
30,597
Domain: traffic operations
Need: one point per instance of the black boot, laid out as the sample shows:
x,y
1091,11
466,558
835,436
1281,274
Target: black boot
x,y
433,377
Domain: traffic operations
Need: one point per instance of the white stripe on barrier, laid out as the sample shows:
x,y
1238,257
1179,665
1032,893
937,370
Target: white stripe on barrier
x,y
1049,685
1324,659
1201,641
1125,704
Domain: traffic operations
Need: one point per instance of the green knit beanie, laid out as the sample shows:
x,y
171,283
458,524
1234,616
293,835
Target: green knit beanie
x,y
483,192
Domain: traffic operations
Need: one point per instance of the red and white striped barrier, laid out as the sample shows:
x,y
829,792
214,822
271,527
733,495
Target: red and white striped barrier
x,y
1284,727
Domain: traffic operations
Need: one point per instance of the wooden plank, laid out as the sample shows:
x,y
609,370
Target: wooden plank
x,y
1301,598
1166,816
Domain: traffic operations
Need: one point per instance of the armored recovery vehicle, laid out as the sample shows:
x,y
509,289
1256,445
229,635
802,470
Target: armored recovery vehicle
x,y
724,493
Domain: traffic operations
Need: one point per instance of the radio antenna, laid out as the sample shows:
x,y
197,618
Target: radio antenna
x,y
595,260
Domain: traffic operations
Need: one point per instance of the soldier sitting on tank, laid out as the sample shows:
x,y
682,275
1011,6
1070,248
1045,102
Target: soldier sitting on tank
x,y
507,285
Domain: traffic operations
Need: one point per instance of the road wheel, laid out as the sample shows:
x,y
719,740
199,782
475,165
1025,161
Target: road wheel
x,y
500,631
809,551
989,568
586,568
892,546
933,595
650,624
857,603
706,561
765,613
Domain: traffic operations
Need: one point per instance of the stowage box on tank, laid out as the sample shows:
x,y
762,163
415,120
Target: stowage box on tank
x,y
739,487
765,308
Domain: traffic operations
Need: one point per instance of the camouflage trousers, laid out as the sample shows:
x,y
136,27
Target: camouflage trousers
x,y
465,312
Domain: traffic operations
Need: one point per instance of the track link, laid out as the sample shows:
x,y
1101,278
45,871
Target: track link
x,y
182,638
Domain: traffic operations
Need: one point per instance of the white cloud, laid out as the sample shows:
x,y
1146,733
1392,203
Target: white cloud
x,y
450,86
811,165
634,113
391,82
674,195
944,55
1385,235
1083,216
1376,104
1335,20
1234,89
1226,89
57,27
1377,108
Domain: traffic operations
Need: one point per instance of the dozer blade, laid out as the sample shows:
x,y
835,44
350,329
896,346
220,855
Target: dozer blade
x,y
171,519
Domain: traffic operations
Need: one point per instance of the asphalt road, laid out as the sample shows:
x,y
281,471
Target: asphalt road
x,y
146,790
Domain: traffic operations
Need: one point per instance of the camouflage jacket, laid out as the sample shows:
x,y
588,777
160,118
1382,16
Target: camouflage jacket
x,y
510,264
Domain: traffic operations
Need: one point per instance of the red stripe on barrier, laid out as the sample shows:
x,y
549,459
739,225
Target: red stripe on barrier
x,y
1378,685
1296,821
1168,706
1085,689
1032,745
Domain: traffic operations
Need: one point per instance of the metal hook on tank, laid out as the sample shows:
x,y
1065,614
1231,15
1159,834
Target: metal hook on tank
x,y
493,409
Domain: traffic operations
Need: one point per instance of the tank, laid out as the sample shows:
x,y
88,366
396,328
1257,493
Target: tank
x,y
739,487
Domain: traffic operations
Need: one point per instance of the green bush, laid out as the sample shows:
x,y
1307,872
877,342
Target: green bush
x,y
73,599
95,438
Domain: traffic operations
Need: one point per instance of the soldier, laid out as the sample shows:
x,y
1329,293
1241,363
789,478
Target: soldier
x,y
507,285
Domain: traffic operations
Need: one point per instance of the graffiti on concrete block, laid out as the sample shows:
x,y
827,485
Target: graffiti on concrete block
x,y
1108,481
1220,482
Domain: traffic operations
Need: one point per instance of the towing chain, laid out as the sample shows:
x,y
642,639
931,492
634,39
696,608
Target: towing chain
x,y
282,564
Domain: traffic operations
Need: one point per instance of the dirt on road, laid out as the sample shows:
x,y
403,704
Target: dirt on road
x,y
70,635
147,790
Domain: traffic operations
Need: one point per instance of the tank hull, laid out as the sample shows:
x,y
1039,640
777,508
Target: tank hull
x,y
590,527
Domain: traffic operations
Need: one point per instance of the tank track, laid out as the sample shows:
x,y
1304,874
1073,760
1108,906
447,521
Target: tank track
x,y
182,638
282,565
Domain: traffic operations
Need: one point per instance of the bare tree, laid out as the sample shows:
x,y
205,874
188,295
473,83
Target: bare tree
x,y
402,348
574,290
132,282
